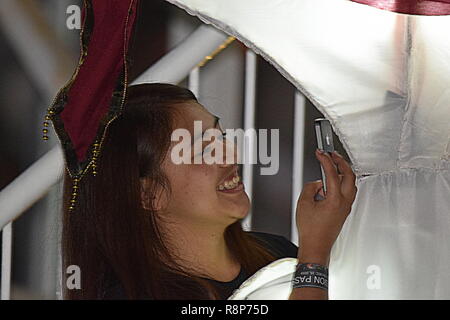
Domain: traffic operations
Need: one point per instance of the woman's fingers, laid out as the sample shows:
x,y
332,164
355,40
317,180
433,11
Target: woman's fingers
x,y
348,187
331,175
309,190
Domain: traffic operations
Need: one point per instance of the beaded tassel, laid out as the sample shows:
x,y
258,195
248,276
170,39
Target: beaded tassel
x,y
76,180
94,158
46,124
74,193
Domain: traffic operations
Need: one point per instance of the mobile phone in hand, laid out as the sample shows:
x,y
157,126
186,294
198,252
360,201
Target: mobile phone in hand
x,y
324,137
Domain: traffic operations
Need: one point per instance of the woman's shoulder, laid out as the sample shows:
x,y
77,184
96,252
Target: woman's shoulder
x,y
278,245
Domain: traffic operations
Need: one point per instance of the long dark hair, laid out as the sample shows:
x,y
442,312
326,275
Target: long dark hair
x,y
110,236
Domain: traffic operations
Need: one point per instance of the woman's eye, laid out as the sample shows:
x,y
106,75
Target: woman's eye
x,y
206,149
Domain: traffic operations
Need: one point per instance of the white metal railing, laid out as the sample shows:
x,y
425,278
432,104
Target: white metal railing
x,y
36,181
24,30
179,62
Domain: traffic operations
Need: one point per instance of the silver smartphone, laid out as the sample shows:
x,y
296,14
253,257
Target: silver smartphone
x,y
324,137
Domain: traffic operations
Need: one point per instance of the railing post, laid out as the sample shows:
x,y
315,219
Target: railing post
x,y
298,159
249,123
6,261
194,81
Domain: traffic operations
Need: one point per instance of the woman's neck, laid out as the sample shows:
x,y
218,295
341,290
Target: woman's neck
x,y
203,250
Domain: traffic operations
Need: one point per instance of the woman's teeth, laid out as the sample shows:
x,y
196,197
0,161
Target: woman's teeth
x,y
230,184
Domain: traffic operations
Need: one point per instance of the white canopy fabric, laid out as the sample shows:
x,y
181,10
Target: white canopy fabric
x,y
382,79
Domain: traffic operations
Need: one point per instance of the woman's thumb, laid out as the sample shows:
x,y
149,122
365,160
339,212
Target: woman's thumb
x,y
309,191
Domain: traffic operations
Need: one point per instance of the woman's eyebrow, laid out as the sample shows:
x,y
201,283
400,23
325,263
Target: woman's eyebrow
x,y
216,121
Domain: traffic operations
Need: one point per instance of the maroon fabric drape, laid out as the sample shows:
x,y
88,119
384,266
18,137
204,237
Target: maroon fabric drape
x,y
416,7
96,92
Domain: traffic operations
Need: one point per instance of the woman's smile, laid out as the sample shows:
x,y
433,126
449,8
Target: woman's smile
x,y
232,183
232,188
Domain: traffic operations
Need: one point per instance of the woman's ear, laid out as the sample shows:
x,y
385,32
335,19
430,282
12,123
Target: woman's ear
x,y
151,200
145,197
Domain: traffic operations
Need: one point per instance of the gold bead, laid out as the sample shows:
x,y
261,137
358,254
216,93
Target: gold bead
x,y
73,200
45,124
71,208
51,112
74,194
45,137
75,187
44,130
47,118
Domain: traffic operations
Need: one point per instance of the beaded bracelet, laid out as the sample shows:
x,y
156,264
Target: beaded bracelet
x,y
310,275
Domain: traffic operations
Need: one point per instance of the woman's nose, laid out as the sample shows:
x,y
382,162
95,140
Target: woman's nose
x,y
229,152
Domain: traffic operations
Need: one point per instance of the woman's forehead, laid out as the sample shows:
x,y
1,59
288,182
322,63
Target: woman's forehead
x,y
188,113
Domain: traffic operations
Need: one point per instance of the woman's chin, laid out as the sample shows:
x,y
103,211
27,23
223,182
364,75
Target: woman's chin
x,y
241,211
236,206
240,215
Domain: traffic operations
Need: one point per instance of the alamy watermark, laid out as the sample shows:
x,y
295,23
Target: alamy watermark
x,y
190,150
73,20
73,280
374,279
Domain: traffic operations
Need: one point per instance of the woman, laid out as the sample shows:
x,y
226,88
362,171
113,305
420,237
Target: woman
x,y
146,228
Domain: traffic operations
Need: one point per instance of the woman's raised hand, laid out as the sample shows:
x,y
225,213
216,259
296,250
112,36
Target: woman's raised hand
x,y
319,222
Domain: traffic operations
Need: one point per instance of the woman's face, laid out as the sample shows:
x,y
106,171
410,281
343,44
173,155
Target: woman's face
x,y
196,188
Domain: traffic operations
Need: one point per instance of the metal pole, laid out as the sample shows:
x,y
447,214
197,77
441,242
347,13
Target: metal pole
x,y
31,185
179,62
6,261
249,123
298,158
194,81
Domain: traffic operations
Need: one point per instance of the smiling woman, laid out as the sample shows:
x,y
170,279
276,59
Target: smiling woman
x,y
145,227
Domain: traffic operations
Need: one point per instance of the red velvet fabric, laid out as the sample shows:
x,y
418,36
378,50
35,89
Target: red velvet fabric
x,y
90,94
416,7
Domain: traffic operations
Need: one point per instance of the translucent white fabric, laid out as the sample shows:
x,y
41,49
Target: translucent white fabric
x,y
382,79
272,282
395,244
